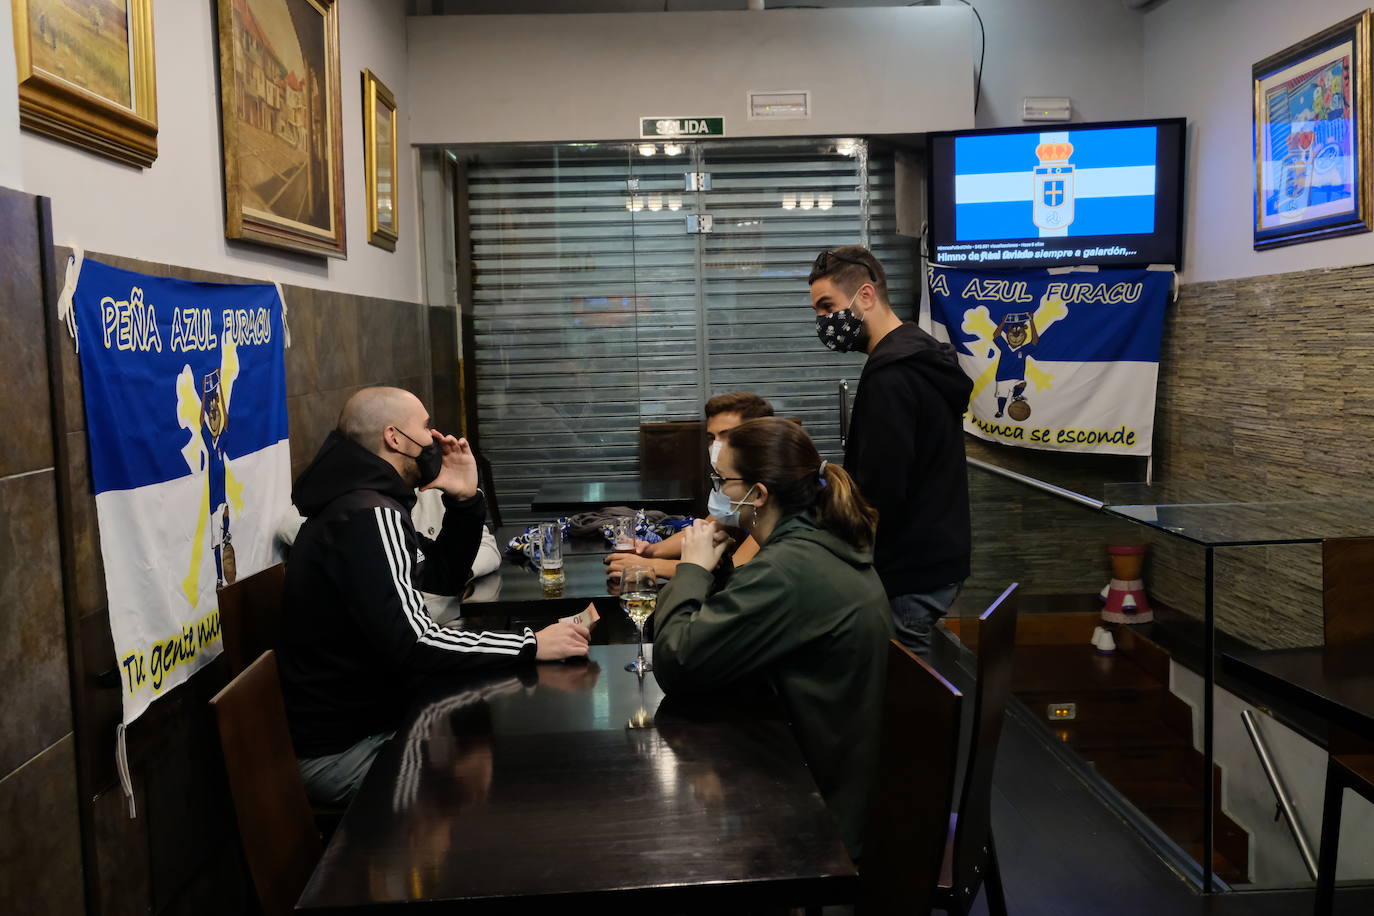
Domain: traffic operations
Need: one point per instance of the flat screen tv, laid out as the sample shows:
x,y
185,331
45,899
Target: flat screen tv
x,y
1109,194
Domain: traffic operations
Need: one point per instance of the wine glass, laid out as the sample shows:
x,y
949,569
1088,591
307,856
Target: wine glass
x,y
638,596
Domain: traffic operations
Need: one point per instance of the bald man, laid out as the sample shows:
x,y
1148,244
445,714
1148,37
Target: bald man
x,y
356,628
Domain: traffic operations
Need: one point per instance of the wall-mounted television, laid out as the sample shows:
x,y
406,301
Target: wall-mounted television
x,y
1109,194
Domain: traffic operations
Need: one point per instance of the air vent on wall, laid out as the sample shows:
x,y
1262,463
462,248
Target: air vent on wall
x,y
792,105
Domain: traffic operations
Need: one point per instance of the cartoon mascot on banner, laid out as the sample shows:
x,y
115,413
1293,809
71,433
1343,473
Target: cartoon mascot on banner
x,y
1011,343
203,410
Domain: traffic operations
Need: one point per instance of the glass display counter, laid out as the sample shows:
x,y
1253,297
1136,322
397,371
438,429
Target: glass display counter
x,y
1221,772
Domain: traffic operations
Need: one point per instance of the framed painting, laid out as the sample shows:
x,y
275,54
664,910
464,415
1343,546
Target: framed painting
x,y
1312,141
379,155
282,136
86,74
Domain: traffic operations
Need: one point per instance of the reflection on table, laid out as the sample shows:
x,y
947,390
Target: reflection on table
x,y
575,784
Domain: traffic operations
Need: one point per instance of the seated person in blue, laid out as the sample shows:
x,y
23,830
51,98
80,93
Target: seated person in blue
x,y
356,629
808,614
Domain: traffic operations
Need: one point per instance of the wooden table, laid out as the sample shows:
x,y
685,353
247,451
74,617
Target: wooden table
x,y
504,795
557,499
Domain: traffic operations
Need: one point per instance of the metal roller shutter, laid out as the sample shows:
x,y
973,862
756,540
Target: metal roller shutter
x,y
595,309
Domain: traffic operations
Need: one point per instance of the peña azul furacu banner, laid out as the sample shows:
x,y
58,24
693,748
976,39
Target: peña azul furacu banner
x,y
1060,360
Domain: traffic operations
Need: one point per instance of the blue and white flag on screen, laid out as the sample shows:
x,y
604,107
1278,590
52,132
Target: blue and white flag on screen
x,y
1063,361
1056,183
185,391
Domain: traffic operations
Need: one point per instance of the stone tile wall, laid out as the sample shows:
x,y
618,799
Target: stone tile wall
x,y
40,843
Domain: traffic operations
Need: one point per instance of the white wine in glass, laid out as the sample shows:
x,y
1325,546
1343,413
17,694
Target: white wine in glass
x,y
638,596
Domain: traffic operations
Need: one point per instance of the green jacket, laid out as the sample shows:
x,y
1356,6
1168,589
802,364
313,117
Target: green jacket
x,y
809,614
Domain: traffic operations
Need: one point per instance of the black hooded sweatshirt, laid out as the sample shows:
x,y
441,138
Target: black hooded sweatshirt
x,y
356,627
906,452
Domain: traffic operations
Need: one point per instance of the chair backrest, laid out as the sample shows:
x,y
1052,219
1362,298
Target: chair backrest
x,y
276,825
996,639
1347,583
674,451
904,841
250,615
486,479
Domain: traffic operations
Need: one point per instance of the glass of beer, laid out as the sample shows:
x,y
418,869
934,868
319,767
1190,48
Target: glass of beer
x,y
550,542
638,596
623,527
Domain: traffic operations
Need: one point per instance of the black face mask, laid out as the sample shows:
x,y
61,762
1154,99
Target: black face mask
x,y
428,463
843,330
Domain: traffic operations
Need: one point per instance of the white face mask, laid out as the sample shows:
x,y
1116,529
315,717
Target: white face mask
x,y
718,504
729,517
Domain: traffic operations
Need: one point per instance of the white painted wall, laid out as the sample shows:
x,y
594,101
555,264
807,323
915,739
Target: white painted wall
x,y
1200,54
1091,51
173,211
10,176
1248,800
486,79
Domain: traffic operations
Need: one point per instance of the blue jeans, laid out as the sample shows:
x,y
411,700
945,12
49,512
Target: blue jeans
x,y
915,616
333,779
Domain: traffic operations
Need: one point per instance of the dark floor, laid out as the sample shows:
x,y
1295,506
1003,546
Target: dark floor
x,y
1065,853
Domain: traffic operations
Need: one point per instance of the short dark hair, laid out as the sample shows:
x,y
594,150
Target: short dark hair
x,y
849,267
748,405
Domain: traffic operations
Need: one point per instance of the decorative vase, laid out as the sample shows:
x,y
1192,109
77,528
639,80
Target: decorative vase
x,y
1125,594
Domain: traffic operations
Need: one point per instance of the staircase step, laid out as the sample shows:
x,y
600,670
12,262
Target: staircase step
x,y
1081,669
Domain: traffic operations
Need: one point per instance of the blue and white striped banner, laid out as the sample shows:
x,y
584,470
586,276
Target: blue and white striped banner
x,y
1060,360
185,390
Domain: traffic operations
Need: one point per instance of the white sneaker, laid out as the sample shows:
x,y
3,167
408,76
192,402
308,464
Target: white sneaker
x,y
1098,633
1107,644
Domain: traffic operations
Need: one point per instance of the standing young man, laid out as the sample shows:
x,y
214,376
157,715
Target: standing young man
x,y
906,441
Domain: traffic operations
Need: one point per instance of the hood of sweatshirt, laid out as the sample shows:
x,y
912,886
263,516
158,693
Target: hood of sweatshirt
x,y
803,527
934,359
342,466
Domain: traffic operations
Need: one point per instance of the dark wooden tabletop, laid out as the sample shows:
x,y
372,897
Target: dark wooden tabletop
x,y
1335,684
571,785
568,498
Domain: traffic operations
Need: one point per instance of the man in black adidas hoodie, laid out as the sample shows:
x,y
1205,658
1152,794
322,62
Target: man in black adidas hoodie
x,y
356,628
906,442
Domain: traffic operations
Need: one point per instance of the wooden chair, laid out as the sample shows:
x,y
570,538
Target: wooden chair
x,y
250,615
674,451
905,839
276,826
487,481
970,857
1348,628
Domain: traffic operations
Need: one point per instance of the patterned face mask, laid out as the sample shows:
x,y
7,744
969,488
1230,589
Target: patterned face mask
x,y
842,331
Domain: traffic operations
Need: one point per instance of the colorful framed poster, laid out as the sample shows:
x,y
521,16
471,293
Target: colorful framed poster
x,y
379,154
86,74
283,137
1312,141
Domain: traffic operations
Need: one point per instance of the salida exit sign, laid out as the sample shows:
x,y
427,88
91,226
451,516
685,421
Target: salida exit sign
x,y
681,127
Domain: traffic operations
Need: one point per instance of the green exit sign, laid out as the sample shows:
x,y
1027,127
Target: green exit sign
x,y
681,127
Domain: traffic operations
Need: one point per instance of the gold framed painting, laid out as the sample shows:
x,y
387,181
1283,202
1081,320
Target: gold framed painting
x,y
86,74
379,154
282,132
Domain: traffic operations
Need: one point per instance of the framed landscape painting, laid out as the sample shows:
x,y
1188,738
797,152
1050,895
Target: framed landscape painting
x,y
283,146
379,154
87,76
1312,137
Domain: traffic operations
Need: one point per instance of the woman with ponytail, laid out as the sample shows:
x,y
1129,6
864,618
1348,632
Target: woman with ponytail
x,y
808,614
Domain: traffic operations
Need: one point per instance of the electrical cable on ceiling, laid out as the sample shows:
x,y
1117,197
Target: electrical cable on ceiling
x,y
982,52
